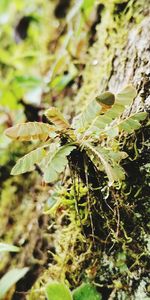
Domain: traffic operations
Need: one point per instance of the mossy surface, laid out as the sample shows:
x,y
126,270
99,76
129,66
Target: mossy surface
x,y
61,236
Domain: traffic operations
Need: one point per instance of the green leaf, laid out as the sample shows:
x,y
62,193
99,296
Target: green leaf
x,y
55,116
131,123
103,125
8,99
102,121
127,95
83,120
59,64
27,162
128,124
61,81
4,6
9,279
8,248
108,161
99,158
98,122
57,291
87,6
28,81
29,131
54,163
86,292
93,111
106,98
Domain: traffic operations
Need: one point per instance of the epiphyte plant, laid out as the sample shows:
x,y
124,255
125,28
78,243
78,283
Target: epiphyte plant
x,y
93,133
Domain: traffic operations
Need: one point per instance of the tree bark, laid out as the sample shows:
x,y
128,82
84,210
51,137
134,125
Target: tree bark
x,y
121,54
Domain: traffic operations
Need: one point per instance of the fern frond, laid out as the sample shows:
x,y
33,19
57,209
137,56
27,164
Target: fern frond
x,y
27,162
30,131
55,116
55,162
95,118
128,125
105,161
82,121
101,103
111,122
127,95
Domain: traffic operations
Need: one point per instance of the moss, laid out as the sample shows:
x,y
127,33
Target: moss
x,y
62,246
112,37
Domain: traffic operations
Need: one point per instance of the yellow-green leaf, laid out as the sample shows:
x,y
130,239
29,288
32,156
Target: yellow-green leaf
x,y
128,124
54,163
57,291
86,292
127,95
27,162
29,131
8,248
9,279
55,116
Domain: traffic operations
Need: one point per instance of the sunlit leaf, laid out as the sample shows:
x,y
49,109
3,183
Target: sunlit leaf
x,y
55,116
27,162
9,279
107,161
8,248
54,163
57,291
87,6
86,292
127,95
29,131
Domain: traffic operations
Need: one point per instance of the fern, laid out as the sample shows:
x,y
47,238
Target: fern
x,y
54,115
111,122
95,108
82,121
127,95
132,122
91,119
128,125
27,162
102,118
30,131
54,163
105,162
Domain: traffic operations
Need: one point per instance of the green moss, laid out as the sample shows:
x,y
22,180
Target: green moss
x,y
112,36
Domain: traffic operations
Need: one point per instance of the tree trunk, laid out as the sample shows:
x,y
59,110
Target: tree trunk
x,y
121,54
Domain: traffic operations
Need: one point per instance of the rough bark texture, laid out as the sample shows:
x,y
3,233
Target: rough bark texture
x,y
136,66
121,54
